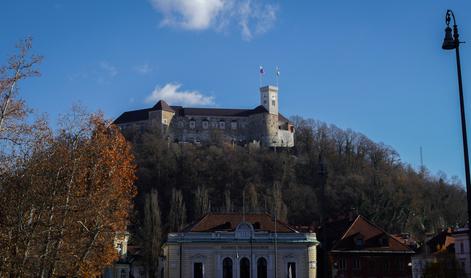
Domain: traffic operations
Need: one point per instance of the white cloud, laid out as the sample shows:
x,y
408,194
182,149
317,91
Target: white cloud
x,y
171,94
252,17
109,69
143,69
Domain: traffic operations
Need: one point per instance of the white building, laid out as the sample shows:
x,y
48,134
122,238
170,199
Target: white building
x,y
231,245
462,249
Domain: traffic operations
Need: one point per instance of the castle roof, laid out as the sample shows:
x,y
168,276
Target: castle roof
x,y
162,105
229,221
143,114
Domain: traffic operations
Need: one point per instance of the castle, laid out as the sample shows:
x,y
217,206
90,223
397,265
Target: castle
x,y
263,124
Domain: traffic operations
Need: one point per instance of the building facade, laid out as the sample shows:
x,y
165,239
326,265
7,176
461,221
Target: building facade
x,y
462,253
232,245
263,124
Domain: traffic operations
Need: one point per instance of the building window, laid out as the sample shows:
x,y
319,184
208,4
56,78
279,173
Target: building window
x,y
192,124
227,268
292,270
356,264
222,125
386,266
273,102
262,268
198,270
401,265
164,121
234,125
181,124
123,274
462,247
205,124
342,264
244,268
359,242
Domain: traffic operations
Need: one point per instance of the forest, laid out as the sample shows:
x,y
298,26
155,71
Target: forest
x,y
362,177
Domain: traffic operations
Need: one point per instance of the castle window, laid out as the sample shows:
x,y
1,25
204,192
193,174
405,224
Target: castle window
x,y
205,124
222,125
192,124
234,125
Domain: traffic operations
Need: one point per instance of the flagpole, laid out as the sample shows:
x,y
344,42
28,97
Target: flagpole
x,y
277,75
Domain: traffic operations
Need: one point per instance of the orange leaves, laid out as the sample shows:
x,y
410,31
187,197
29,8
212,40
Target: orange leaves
x,y
74,193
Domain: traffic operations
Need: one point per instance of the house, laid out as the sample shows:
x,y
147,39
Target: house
x,y
263,125
226,245
462,255
435,255
365,250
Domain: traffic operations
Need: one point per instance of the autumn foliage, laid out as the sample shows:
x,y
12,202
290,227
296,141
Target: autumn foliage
x,y
66,194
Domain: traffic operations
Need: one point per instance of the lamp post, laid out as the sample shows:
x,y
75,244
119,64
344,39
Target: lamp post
x,y
451,42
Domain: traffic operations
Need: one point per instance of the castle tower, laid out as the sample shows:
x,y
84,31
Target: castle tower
x,y
269,98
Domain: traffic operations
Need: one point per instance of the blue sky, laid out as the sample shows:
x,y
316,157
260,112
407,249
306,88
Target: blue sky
x,y
373,66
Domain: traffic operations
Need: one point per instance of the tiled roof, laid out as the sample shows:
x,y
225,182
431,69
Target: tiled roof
x,y
373,239
228,222
143,114
133,116
162,105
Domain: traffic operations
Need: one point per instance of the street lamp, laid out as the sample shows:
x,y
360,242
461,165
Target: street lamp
x,y
450,42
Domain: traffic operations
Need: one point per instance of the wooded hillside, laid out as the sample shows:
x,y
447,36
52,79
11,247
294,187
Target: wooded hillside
x,y
363,176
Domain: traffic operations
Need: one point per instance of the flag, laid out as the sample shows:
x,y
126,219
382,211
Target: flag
x,y
262,71
277,71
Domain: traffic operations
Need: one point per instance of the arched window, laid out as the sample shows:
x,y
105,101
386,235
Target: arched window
x,y
198,270
262,268
244,268
227,268
291,270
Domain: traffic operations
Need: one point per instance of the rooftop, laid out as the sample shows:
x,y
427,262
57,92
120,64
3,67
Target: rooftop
x,y
228,222
143,114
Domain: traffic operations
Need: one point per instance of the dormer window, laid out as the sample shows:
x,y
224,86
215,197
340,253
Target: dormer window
x,y
358,240
192,123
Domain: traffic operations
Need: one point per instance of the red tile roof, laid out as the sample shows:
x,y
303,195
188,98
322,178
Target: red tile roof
x,y
229,221
363,235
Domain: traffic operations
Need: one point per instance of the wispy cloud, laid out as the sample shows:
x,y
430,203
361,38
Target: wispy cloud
x,y
102,72
172,94
108,69
143,69
252,17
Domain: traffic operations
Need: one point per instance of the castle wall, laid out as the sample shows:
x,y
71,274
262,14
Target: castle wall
x,y
203,128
